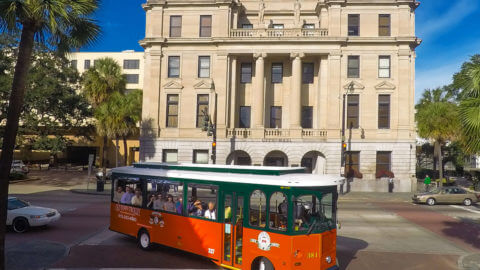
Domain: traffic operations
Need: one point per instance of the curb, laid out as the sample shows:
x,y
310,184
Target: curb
x,y
90,192
24,180
471,266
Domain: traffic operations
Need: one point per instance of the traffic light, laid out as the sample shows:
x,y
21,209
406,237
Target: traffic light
x,y
206,121
214,152
344,146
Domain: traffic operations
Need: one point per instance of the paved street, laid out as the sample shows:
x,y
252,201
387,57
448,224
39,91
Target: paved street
x,y
379,231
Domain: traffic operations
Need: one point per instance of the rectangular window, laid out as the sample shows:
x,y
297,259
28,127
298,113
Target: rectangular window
x,y
174,66
353,24
309,26
172,110
204,67
73,64
383,162
170,155
202,201
352,161
244,121
353,66
86,64
247,26
175,26
277,73
384,66
384,111
275,117
307,73
131,64
307,117
205,26
200,156
202,109
164,195
277,26
279,31
352,111
132,78
384,25
246,73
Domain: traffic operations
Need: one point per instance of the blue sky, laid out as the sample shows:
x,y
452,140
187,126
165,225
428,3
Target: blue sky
x,y
450,31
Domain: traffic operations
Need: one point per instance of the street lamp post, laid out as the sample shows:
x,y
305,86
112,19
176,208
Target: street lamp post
x,y
344,144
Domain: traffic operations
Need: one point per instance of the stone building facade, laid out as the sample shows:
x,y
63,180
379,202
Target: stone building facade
x,y
274,75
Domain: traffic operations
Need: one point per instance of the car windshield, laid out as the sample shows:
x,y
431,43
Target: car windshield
x,y
16,204
310,213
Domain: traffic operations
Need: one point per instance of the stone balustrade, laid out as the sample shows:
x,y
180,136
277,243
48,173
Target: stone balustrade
x,y
276,33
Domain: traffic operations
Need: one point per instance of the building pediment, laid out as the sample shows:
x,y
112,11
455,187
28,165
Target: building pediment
x,y
173,85
385,86
353,85
204,84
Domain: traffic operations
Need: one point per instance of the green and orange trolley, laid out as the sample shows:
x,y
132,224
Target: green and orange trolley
x,y
240,217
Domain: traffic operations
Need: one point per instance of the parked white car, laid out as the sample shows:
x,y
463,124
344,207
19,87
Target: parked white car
x,y
21,215
18,167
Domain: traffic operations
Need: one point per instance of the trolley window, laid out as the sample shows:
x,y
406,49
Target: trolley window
x,y
278,211
124,190
202,201
258,208
165,195
311,214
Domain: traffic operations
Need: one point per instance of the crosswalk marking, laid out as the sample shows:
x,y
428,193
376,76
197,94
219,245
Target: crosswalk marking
x,y
465,208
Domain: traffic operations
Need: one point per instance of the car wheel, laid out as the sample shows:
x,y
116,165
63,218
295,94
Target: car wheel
x,y
467,202
20,225
263,264
431,201
144,240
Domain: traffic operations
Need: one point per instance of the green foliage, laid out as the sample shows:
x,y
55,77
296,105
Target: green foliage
x,y
54,145
437,116
102,80
467,86
59,24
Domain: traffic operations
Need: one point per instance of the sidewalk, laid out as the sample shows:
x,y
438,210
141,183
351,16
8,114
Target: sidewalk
x,y
376,197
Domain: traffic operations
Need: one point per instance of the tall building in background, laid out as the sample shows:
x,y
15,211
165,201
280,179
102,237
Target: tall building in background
x,y
132,64
274,76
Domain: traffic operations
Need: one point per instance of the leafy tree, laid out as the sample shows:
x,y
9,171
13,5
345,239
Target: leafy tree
x,y
61,25
100,82
437,120
467,86
131,113
52,144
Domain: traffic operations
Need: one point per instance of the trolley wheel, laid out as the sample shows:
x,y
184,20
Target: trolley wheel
x,y
144,240
467,202
431,201
20,225
262,263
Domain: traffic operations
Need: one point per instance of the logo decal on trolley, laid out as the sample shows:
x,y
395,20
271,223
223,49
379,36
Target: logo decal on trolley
x,y
157,219
264,242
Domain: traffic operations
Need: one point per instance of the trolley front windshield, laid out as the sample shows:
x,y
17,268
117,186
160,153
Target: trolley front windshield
x,y
314,211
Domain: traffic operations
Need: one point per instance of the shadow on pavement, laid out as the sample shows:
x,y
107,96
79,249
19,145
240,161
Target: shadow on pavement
x,y
466,230
347,249
34,255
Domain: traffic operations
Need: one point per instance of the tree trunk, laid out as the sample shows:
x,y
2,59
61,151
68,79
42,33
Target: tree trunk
x,y
104,159
438,150
117,149
13,115
125,150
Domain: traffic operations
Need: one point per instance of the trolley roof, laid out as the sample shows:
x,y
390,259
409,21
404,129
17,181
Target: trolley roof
x,y
179,171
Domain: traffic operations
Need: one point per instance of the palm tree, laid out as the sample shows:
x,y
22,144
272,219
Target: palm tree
x,y
61,24
437,120
100,82
132,115
467,83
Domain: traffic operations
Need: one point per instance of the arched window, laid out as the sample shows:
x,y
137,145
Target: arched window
x,y
278,211
258,207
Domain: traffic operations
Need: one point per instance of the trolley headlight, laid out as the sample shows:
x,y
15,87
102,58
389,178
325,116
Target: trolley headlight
x,y
328,259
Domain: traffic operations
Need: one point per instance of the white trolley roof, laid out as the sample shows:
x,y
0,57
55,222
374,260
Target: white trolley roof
x,y
275,176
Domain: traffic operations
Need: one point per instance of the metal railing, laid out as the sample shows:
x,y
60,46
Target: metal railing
x,y
275,33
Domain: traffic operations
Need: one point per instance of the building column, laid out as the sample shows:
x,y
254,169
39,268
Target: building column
x,y
233,92
296,91
258,104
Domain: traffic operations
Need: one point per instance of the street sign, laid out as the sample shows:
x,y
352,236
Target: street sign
x,y
90,164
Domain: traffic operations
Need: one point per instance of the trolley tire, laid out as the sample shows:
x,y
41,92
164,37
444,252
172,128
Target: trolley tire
x,y
20,225
143,240
262,263
431,201
467,202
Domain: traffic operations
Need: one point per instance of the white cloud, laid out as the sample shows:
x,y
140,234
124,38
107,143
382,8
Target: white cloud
x,y
453,15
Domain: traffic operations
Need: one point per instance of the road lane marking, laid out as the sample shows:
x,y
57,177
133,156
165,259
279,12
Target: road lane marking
x,y
466,209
